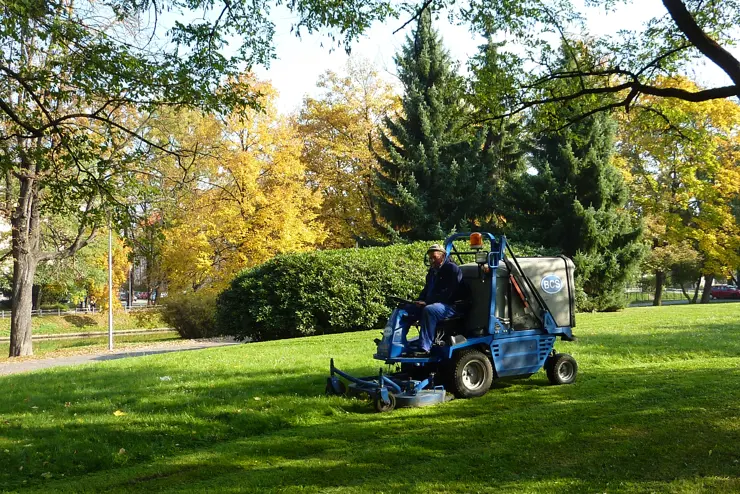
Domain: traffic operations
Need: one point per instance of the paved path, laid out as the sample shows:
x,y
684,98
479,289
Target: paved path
x,y
16,367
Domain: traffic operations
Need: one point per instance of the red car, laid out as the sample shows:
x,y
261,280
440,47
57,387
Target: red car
x,y
725,291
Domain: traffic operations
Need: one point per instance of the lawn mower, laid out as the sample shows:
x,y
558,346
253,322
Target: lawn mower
x,y
508,331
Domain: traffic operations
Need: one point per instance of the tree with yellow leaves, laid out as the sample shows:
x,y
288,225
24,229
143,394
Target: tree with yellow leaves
x,y
247,199
338,129
682,162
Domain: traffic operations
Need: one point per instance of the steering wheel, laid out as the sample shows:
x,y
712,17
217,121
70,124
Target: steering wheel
x,y
400,301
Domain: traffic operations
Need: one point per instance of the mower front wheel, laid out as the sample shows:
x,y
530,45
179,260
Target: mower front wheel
x,y
561,369
383,406
472,374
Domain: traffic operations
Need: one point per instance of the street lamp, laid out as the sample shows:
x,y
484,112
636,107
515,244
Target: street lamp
x,y
110,284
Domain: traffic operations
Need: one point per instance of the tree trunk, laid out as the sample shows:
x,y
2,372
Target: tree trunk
x,y
36,297
25,237
696,291
685,293
659,281
706,294
25,223
24,269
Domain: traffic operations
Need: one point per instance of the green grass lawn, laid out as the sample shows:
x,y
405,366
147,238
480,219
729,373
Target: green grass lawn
x,y
88,322
656,408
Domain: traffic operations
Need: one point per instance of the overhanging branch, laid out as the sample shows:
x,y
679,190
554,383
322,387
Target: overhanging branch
x,y
706,45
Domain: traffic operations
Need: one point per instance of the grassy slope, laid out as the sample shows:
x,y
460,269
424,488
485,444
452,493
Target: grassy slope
x,y
656,408
81,323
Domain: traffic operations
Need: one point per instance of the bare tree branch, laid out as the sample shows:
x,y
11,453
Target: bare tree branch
x,y
706,45
424,6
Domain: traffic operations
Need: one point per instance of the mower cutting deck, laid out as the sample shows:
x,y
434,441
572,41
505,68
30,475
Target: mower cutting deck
x,y
509,331
388,391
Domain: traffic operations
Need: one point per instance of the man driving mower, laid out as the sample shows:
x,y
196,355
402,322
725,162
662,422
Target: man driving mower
x,y
440,299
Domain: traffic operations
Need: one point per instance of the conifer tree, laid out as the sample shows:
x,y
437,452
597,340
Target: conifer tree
x,y
502,140
575,202
428,170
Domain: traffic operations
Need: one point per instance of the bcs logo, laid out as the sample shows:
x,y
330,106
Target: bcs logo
x,y
551,284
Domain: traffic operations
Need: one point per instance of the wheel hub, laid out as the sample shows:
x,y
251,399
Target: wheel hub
x,y
473,375
565,371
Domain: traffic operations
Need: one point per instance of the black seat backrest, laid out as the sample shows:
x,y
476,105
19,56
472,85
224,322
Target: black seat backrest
x,y
480,295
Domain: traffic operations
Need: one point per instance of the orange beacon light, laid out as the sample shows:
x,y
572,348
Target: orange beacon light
x,y
476,240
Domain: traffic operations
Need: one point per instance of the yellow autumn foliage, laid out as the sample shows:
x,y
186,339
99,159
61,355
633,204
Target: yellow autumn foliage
x,y
249,201
338,130
682,162
121,266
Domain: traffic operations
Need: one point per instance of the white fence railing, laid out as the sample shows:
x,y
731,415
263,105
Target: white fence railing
x,y
76,310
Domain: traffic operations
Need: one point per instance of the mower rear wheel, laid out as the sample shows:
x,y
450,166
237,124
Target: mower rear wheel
x,y
382,406
472,374
562,369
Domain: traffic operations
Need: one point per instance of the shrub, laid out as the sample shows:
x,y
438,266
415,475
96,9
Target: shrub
x,y
192,314
320,292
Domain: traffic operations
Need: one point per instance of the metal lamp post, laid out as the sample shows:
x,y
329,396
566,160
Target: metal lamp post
x,y
110,285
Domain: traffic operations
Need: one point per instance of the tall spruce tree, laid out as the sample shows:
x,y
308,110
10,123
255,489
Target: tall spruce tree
x,y
429,172
574,200
503,142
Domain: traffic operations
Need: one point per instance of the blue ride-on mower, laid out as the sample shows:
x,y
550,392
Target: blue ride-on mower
x,y
516,310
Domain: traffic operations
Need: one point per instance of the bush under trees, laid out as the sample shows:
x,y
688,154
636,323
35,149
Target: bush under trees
x,y
193,315
320,292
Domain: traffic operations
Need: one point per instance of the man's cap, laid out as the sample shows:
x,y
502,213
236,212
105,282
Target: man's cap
x,y
436,247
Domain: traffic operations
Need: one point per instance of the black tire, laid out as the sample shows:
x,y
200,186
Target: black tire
x,y
562,369
381,406
472,374
548,363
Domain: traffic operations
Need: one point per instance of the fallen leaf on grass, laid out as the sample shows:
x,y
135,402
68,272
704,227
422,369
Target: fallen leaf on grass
x,y
121,451
119,413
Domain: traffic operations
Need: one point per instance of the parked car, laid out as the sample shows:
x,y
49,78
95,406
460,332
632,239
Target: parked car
x,y
725,291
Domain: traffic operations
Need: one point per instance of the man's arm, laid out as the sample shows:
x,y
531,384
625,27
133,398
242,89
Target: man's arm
x,y
423,294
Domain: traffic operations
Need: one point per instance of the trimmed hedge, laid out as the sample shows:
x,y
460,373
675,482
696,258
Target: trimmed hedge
x,y
323,292
320,292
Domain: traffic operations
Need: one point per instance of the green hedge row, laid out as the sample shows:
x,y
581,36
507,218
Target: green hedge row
x,y
320,292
